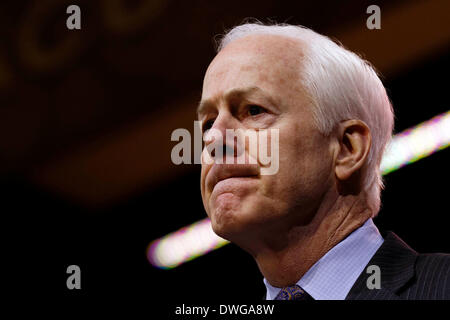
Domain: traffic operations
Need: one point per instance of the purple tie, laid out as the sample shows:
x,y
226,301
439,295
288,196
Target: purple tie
x,y
293,293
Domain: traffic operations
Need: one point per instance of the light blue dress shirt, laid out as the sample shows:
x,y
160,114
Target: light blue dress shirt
x,y
332,277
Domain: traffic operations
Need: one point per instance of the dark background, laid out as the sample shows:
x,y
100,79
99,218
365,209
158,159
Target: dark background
x,y
85,124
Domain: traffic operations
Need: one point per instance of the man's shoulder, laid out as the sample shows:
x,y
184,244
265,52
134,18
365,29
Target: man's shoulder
x,y
427,266
431,280
433,267
435,260
406,274
429,277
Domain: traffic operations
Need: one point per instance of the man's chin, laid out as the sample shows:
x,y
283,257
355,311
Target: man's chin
x,y
226,231
225,224
232,225
234,215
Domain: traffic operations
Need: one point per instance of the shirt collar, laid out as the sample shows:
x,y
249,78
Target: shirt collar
x,y
333,275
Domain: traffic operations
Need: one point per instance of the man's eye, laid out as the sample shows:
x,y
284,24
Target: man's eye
x,y
207,125
254,110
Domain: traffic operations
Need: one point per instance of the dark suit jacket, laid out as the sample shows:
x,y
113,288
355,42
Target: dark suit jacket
x,y
405,274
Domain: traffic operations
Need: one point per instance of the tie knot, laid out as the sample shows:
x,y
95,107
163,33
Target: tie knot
x,y
293,293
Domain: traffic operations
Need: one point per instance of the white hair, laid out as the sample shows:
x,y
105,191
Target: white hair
x,y
341,86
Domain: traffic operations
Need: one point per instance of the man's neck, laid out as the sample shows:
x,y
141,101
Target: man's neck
x,y
284,258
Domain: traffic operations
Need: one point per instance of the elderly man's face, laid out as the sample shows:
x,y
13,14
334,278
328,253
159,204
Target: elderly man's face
x,y
254,84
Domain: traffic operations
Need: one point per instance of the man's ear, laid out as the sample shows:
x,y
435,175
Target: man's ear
x,y
354,146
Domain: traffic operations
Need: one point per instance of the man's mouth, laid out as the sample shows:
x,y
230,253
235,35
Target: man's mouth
x,y
221,172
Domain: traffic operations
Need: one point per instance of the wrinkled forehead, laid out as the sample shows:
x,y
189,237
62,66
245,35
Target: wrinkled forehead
x,y
270,62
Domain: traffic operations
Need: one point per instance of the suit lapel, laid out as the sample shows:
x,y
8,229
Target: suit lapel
x,y
396,261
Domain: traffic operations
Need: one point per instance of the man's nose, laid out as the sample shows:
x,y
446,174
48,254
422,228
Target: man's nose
x,y
218,135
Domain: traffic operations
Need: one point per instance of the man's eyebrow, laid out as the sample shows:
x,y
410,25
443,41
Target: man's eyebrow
x,y
205,104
